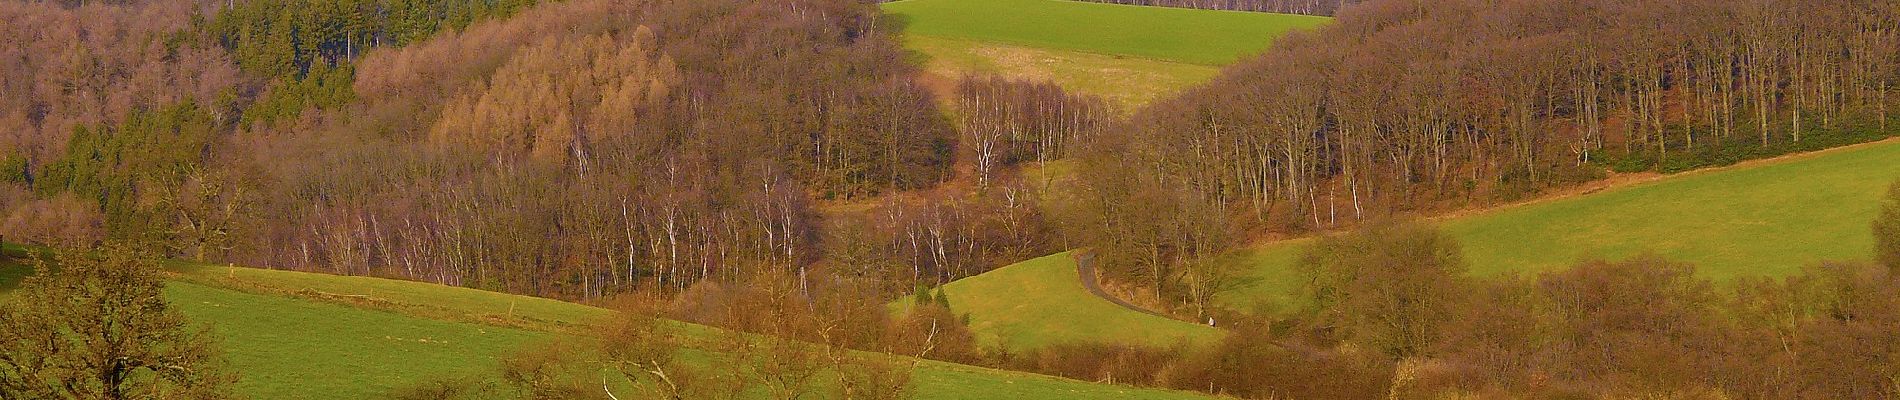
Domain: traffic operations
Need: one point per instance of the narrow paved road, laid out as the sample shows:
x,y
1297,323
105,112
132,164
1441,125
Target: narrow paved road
x,y
1085,269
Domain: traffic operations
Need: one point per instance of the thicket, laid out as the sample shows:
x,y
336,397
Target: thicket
x,y
1388,311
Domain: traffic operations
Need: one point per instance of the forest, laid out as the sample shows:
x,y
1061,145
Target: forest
x,y
1422,107
783,167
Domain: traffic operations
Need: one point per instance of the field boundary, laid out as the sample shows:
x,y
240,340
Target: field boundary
x,y
1612,183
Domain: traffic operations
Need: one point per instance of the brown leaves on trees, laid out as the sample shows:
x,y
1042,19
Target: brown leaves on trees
x,y
1833,329
818,89
96,326
934,331
1145,227
552,98
63,220
1644,325
1410,104
1390,287
1006,121
95,64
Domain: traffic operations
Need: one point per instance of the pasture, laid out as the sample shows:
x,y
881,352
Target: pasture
x,y
1127,82
295,335
1758,219
1042,302
1191,36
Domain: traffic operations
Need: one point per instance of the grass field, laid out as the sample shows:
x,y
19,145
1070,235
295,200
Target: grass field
x,y
1127,82
1761,219
1171,34
1041,302
306,336
290,348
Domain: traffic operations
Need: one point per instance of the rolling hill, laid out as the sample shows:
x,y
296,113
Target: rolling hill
x,y
1130,55
1762,218
301,335
1042,302
1171,34
1126,82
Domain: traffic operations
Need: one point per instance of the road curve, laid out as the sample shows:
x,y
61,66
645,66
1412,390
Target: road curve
x,y
1085,270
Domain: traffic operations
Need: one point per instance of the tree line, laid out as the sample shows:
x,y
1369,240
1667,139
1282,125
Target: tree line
x,y
1390,310
570,149
1416,107
1411,105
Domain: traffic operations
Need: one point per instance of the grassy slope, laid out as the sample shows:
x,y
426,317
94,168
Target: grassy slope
x,y
1127,82
289,348
1130,55
1184,35
1763,219
289,345
1041,302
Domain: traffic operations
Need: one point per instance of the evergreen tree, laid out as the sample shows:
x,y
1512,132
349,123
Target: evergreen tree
x,y
920,296
943,299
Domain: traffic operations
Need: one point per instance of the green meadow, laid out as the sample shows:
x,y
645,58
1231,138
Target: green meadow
x,y
1762,219
1127,82
1041,302
296,335
1170,34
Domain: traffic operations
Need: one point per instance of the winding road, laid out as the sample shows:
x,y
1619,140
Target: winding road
x,y
1085,270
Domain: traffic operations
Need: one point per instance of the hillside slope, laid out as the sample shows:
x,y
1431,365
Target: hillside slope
x,y
298,335
1042,302
1126,82
1766,218
1128,54
1185,35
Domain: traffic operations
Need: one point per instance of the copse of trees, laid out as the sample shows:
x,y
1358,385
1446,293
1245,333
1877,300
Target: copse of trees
x,y
95,325
1145,227
555,97
1006,121
1391,287
1422,105
820,87
939,237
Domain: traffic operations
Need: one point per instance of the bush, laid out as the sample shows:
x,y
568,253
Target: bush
x,y
95,325
1389,287
1887,230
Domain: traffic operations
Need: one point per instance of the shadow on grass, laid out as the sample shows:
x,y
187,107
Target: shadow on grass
x,y
13,268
